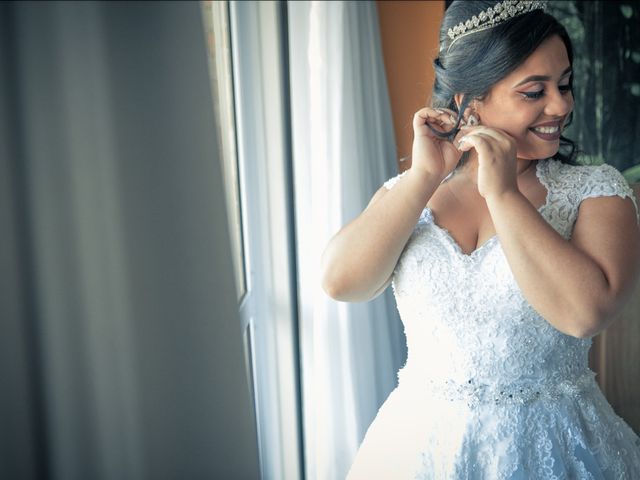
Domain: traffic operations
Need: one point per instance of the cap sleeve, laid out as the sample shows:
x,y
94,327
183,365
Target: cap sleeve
x,y
389,184
606,181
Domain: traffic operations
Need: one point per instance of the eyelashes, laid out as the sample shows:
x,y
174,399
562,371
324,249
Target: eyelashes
x,y
540,93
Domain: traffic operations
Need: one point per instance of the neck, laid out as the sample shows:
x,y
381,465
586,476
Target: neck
x,y
522,166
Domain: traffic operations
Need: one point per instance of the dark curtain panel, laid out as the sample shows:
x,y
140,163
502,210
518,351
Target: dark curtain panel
x,y
121,355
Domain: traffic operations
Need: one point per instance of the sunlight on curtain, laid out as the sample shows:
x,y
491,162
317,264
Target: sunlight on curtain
x,y
343,151
215,18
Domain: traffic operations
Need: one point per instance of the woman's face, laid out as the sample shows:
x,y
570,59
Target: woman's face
x,y
533,102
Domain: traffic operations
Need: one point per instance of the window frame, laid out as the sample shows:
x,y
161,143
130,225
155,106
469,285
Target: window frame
x,y
269,309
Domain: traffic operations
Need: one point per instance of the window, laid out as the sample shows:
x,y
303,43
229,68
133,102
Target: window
x,y
248,61
216,26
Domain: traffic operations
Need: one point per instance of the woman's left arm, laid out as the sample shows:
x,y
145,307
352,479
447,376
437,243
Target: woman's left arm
x,y
579,285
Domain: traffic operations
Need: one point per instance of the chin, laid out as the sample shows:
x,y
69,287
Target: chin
x,y
538,153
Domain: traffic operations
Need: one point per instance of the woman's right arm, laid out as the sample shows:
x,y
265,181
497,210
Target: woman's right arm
x,y
359,260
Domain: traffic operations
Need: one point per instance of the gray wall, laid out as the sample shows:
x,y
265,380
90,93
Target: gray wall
x,y
120,339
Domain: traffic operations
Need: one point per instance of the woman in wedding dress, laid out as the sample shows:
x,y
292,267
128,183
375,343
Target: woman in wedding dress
x,y
505,257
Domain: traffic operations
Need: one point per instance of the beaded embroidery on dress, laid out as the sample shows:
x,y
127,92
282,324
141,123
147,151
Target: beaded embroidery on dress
x,y
490,390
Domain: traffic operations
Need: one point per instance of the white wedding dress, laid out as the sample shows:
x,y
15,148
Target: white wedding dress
x,y
491,390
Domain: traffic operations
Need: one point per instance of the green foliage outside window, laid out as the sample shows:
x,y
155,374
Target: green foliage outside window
x,y
606,121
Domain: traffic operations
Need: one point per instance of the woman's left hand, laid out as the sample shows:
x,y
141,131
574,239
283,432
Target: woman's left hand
x,y
497,171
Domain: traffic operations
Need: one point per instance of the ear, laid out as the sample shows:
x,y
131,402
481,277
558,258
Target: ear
x,y
471,108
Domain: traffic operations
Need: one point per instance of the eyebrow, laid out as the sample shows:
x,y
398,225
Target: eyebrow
x,y
541,78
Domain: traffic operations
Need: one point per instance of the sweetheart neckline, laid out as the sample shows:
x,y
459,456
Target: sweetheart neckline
x,y
494,237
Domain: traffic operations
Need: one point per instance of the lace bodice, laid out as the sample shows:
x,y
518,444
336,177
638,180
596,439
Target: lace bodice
x,y
464,314
472,337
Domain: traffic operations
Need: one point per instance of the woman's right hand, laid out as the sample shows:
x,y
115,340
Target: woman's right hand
x,y
380,233
431,154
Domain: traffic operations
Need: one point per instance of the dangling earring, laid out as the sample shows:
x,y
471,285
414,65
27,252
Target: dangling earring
x,y
472,121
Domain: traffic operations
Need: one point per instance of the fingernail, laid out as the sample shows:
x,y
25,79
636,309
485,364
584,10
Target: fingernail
x,y
461,141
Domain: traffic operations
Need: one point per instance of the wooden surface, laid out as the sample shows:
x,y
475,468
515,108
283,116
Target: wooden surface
x,y
409,32
615,356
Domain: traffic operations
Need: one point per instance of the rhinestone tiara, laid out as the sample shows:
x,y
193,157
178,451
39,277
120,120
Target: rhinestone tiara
x,y
492,16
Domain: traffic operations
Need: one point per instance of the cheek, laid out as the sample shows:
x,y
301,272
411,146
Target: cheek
x,y
515,117
518,125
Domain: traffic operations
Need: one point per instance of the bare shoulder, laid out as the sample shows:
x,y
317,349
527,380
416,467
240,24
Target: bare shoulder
x,y
606,197
378,195
388,185
607,230
607,215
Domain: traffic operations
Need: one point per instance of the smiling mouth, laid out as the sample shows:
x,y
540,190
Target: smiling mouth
x,y
547,129
547,132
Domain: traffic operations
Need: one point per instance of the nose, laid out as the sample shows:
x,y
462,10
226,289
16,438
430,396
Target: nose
x,y
559,103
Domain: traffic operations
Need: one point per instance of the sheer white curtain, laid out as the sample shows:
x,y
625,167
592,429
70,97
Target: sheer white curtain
x,y
343,151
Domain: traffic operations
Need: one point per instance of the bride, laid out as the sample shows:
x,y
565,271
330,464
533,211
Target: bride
x,y
505,259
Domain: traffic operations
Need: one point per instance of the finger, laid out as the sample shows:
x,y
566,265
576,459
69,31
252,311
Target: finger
x,y
451,115
495,133
477,140
432,116
491,137
490,143
439,118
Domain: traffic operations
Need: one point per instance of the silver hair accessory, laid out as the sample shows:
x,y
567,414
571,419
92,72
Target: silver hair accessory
x,y
492,16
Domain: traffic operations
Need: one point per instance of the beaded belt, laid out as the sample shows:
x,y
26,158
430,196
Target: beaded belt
x,y
474,393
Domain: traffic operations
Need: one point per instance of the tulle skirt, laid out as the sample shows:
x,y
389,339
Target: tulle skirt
x,y
417,435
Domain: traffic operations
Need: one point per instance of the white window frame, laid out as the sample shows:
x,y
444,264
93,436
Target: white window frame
x,y
269,308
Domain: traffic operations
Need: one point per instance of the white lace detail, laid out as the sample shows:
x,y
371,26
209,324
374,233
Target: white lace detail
x,y
568,186
516,397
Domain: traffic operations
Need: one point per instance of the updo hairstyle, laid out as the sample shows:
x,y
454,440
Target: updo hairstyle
x,y
477,61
